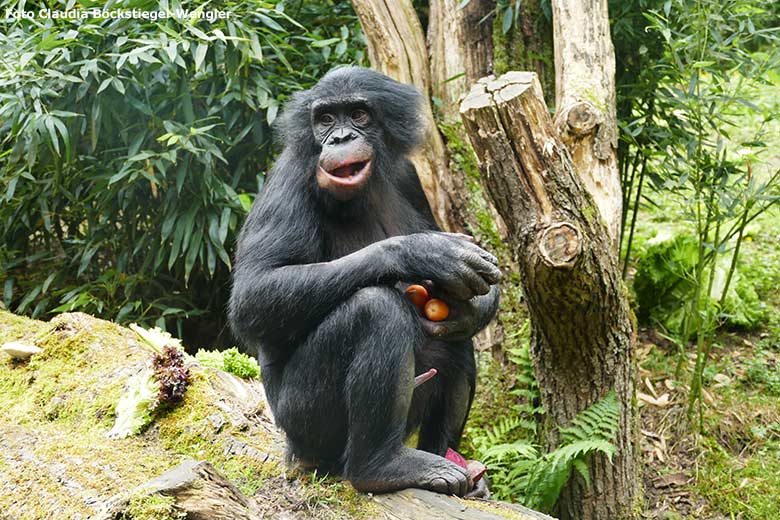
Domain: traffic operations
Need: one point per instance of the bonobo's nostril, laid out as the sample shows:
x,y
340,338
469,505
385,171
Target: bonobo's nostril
x,y
341,136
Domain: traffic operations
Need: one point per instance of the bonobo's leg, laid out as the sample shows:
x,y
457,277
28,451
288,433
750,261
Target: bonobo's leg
x,y
448,405
346,392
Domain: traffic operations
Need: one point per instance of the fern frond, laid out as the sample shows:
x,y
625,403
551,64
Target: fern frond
x,y
521,450
599,421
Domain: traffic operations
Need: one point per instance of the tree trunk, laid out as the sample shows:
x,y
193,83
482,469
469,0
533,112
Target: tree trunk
x,y
396,47
583,338
528,45
585,100
460,42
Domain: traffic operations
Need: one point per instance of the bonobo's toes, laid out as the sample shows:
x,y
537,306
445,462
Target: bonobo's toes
x,y
417,469
448,479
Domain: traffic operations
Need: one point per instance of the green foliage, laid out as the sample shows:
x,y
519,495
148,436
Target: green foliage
x,y
525,389
664,283
762,373
130,149
520,473
230,360
684,139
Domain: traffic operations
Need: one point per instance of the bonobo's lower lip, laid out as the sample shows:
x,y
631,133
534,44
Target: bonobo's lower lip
x,y
349,175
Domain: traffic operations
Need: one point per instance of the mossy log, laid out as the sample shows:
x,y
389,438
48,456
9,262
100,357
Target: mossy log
x,y
215,455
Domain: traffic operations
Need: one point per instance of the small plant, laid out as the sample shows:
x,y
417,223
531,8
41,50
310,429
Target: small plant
x,y
161,384
230,360
762,372
519,471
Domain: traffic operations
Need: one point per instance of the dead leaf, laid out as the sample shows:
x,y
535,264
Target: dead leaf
x,y
670,480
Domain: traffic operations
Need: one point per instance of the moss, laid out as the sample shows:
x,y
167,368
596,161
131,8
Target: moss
x,y
462,159
332,492
152,507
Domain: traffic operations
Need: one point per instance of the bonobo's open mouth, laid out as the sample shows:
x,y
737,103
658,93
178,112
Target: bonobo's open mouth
x,y
348,174
343,178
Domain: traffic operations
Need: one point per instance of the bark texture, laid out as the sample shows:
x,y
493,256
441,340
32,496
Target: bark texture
x,y
583,336
585,100
460,43
396,47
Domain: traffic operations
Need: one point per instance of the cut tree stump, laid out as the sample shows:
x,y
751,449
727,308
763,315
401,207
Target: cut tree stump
x,y
583,339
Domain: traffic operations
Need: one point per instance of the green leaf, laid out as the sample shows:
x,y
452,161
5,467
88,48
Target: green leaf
x,y
224,221
172,50
26,58
193,250
273,108
8,292
506,22
118,85
270,22
325,43
200,54
11,189
49,124
135,407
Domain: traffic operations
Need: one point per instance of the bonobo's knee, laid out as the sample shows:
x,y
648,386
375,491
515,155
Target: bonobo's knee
x,y
380,305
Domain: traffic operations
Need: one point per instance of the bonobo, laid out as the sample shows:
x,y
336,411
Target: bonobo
x,y
341,228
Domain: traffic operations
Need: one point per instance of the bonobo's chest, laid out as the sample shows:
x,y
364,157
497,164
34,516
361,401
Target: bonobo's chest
x,y
345,237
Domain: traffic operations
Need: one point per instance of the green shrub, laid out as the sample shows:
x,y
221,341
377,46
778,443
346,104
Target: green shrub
x,y
131,149
664,285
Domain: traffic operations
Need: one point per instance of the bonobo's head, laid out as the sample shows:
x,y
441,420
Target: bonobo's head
x,y
356,124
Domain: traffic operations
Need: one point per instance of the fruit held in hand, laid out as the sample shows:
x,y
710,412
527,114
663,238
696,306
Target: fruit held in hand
x,y
436,310
418,295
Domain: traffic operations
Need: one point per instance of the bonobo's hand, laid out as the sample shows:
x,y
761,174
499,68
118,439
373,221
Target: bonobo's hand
x,y
465,319
454,263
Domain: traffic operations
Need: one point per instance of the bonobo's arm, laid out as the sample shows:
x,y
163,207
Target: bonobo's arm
x,y
280,291
277,302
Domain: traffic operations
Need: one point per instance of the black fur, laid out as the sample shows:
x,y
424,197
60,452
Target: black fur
x,y
317,294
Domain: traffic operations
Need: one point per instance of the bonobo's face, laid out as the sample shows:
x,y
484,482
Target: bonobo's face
x,y
344,127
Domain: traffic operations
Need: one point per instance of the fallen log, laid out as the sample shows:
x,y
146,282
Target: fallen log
x,y
215,455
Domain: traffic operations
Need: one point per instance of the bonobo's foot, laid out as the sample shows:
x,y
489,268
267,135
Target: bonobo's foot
x,y
417,469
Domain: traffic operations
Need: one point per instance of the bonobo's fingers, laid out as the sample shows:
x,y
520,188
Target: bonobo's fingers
x,y
475,280
449,330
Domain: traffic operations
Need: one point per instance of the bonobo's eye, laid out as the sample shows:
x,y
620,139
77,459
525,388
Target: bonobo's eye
x,y
326,119
360,116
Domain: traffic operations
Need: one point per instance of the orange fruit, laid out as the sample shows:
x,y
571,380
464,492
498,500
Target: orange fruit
x,y
436,310
418,295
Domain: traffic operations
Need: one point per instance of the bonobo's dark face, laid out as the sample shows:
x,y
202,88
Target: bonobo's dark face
x,y
344,128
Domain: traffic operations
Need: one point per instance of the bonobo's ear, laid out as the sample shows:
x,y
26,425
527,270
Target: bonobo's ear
x,y
401,117
293,126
